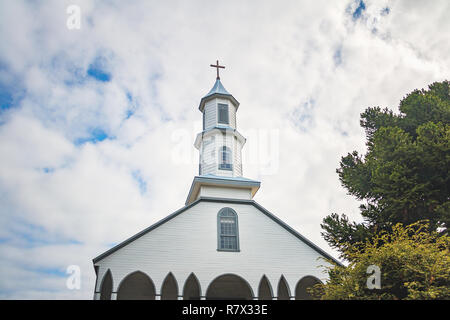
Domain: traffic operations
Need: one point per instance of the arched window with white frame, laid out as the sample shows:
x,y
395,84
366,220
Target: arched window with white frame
x,y
227,230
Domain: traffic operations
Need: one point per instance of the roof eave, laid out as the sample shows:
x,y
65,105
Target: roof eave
x,y
217,95
203,180
210,131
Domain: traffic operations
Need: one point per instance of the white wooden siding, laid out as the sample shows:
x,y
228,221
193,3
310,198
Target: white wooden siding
x,y
221,192
237,158
233,116
188,243
210,114
210,150
209,155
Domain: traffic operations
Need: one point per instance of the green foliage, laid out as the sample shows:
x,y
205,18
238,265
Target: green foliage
x,y
414,264
404,176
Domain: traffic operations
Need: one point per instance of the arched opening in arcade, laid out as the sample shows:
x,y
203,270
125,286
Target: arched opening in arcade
x,y
228,287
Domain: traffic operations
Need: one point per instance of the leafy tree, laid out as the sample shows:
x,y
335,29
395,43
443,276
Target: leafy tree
x,y
414,263
404,176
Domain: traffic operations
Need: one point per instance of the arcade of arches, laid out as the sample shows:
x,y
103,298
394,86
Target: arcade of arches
x,y
139,286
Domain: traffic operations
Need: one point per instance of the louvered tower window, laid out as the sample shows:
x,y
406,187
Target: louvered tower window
x,y
223,113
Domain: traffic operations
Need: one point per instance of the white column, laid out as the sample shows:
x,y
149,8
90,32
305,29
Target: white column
x,y
114,296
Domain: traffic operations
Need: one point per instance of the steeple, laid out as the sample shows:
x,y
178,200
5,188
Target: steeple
x,y
220,144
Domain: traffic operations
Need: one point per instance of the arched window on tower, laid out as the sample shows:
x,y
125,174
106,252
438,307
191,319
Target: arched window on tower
x,y
225,159
227,230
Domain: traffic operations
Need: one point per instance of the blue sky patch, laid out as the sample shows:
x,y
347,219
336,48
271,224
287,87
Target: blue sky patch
x,y
51,271
98,70
359,10
129,113
129,97
77,77
6,98
98,74
48,170
132,105
140,180
31,235
10,94
337,56
96,135
302,116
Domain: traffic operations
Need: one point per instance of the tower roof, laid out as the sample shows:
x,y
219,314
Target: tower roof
x,y
218,88
219,91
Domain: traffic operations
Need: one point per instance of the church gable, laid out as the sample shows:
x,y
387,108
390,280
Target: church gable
x,y
189,240
228,203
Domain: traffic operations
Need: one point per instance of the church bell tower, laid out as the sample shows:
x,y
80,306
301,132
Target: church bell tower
x,y
220,146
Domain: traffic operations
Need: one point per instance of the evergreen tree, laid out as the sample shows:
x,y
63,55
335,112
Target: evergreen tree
x,y
404,176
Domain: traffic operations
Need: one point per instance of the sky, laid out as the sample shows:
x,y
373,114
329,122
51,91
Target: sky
x,y
97,123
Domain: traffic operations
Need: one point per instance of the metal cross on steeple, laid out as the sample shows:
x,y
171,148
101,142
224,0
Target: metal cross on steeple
x,y
217,67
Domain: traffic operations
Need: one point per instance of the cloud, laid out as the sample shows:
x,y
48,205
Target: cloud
x,y
91,118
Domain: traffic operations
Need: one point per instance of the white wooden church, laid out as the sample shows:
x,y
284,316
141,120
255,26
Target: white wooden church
x,y
221,244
